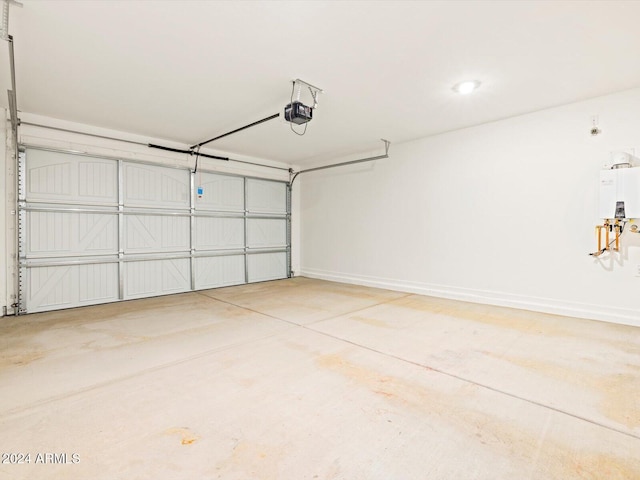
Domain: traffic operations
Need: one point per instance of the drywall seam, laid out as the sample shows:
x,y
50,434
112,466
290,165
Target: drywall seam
x,y
544,305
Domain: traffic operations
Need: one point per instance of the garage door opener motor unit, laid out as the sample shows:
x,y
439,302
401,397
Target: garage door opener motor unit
x,y
296,111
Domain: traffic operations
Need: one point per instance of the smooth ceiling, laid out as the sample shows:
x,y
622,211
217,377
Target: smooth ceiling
x,y
187,71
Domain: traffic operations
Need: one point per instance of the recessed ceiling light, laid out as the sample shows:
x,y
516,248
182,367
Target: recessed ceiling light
x,y
463,88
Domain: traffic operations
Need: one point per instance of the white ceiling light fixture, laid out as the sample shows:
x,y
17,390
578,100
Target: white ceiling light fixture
x,y
466,87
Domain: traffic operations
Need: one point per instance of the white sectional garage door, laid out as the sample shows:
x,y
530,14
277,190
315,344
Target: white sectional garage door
x,y
96,230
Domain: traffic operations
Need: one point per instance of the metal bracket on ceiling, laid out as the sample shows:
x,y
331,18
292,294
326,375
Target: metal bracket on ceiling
x,y
387,144
13,96
312,89
4,26
4,35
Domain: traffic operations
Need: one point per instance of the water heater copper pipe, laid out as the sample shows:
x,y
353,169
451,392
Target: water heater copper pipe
x,y
599,234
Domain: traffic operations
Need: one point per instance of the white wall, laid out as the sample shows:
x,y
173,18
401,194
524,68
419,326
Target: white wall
x,y
32,135
502,213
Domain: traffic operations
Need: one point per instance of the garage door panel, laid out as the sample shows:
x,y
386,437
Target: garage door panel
x,y
267,266
222,193
156,233
50,287
53,234
97,179
262,232
151,186
95,230
56,287
98,283
217,233
212,272
58,177
264,196
150,278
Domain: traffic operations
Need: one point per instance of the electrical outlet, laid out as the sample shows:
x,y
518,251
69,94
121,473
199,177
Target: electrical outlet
x,y
638,270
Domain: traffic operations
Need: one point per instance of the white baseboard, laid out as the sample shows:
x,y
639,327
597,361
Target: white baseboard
x,y
536,304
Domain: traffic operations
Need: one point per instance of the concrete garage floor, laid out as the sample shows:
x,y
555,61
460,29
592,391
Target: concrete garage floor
x,y
305,379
